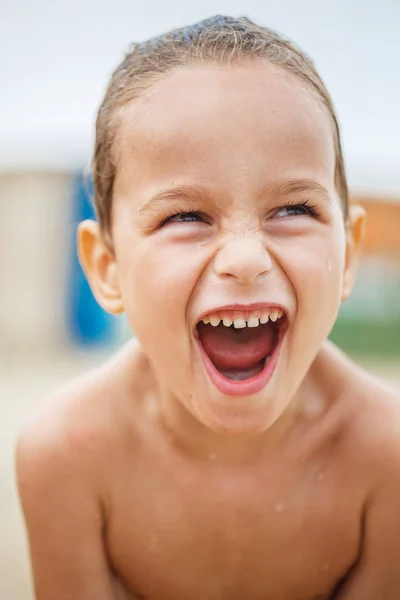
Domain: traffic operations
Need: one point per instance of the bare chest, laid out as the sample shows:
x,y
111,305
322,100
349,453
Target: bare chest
x,y
179,535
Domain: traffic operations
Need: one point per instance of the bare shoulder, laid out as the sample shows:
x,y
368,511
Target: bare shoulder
x,y
376,428
64,458
376,414
371,454
372,410
365,411
79,422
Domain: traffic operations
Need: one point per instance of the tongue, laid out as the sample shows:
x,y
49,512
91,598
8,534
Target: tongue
x,y
230,348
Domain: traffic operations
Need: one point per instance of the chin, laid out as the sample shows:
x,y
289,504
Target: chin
x,y
246,414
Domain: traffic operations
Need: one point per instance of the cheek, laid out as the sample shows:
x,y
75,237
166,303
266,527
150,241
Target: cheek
x,y
157,280
314,268
316,272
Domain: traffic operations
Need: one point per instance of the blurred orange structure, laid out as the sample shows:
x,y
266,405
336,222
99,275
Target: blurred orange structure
x,y
383,225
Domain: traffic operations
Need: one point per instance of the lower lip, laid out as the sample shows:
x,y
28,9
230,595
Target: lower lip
x,y
245,387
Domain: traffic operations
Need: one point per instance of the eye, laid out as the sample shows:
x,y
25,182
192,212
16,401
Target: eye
x,y
185,217
297,210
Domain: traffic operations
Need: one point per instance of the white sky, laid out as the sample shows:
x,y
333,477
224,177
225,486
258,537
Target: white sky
x,y
56,56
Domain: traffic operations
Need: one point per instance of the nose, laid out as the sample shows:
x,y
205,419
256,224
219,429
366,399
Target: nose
x,y
245,260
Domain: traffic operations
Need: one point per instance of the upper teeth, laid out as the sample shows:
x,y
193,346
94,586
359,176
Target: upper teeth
x,y
214,321
243,319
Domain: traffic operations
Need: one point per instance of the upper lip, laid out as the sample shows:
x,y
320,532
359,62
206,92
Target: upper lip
x,y
244,307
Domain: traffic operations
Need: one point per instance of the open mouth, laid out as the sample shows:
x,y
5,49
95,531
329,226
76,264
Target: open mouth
x,y
240,349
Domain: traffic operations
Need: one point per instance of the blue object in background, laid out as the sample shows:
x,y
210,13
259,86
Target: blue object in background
x,y
88,323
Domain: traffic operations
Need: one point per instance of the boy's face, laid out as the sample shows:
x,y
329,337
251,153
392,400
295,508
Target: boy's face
x,y
225,197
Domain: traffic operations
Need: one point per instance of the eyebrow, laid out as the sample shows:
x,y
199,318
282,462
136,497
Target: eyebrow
x,y
195,193
284,187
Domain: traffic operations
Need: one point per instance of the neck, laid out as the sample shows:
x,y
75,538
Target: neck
x,y
196,439
306,406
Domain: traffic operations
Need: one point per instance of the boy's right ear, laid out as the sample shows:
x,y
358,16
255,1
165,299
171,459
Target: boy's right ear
x,y
98,263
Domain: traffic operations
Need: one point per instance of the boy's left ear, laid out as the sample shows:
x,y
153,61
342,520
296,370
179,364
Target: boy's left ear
x,y
355,228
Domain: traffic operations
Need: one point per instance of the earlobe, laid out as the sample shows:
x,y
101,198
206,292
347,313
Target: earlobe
x,y
355,229
98,263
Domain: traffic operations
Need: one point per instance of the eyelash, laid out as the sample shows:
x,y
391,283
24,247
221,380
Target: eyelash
x,y
176,211
310,209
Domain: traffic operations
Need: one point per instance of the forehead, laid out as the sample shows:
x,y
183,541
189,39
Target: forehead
x,y
231,125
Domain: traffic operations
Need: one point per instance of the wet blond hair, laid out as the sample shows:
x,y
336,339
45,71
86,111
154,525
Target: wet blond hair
x,y
222,40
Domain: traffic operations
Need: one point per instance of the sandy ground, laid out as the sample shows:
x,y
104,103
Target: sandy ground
x,y
23,385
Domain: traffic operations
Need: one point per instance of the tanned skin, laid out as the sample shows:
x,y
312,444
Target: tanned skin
x,y
142,479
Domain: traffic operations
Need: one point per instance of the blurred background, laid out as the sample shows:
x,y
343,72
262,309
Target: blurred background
x,y
56,58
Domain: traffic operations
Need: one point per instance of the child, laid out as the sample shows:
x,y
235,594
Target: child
x,y
231,453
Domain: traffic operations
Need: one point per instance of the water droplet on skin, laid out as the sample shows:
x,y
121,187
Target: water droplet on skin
x,y
320,477
212,456
279,507
329,265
